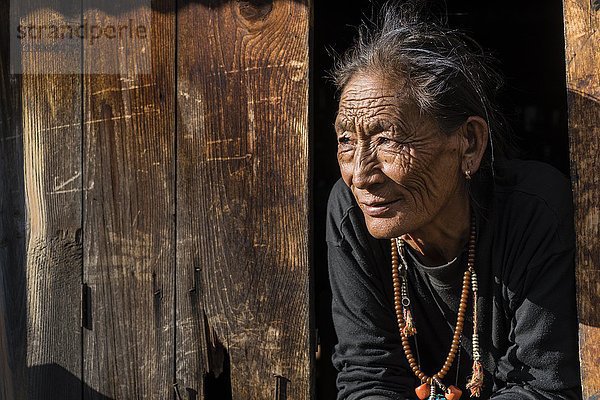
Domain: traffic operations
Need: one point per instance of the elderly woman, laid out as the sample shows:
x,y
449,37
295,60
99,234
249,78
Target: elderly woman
x,y
451,270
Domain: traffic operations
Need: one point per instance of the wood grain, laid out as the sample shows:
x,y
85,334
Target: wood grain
x,y
582,26
129,226
243,198
49,322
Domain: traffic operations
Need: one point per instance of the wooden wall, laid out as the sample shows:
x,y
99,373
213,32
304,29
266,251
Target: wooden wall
x,y
154,223
582,24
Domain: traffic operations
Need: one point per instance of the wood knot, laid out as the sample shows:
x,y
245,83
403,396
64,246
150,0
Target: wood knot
x,y
255,10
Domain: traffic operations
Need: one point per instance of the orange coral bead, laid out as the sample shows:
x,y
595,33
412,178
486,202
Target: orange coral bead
x,y
453,393
423,391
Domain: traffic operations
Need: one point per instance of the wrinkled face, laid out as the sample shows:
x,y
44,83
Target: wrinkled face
x,y
402,169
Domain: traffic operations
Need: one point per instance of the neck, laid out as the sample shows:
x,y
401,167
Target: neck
x,y
445,236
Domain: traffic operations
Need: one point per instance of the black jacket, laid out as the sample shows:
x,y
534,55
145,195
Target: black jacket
x,y
525,267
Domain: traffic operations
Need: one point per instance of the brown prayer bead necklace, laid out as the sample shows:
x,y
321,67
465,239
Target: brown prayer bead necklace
x,y
407,328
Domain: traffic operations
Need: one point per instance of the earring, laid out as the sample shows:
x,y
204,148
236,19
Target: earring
x,y
468,174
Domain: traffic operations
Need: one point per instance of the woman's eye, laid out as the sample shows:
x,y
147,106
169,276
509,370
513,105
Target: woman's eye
x,y
390,144
344,140
345,144
384,140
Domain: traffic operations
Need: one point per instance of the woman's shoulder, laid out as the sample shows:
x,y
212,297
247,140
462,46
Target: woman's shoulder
x,y
533,204
538,181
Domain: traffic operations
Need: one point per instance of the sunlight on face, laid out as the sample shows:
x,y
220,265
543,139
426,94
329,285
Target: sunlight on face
x,y
401,168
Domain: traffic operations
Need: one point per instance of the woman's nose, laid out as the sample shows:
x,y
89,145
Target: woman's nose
x,y
366,171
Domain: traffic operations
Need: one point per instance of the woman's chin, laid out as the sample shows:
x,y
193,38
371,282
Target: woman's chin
x,y
385,228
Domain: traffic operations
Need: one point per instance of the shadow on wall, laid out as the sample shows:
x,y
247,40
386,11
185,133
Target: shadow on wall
x,y
55,381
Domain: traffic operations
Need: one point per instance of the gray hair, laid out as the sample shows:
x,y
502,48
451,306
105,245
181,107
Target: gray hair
x,y
446,73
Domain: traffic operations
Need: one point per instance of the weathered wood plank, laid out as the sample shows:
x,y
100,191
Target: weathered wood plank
x,y
582,24
129,227
243,198
12,225
47,329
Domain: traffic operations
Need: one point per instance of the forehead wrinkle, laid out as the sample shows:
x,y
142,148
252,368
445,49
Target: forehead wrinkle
x,y
372,104
372,123
368,108
366,112
386,114
360,97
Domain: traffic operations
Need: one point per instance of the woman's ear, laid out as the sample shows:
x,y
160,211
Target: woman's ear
x,y
475,134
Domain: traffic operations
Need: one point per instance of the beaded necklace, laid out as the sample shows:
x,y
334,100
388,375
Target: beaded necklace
x,y
407,328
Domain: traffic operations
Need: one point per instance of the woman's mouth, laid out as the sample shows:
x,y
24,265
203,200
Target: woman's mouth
x,y
377,209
